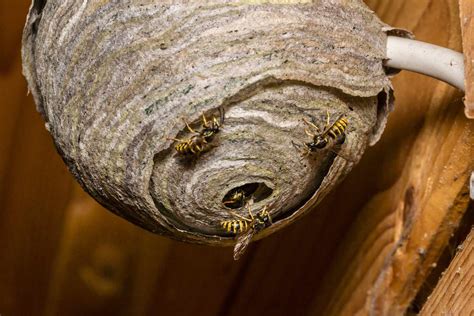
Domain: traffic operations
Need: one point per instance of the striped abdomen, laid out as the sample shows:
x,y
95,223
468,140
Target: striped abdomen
x,y
236,226
337,129
193,146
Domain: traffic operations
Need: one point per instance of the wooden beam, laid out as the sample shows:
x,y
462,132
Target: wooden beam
x,y
104,265
454,294
467,25
427,153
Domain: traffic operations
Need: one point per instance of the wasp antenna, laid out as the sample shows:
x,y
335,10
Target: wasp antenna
x,y
297,146
249,208
240,216
304,151
327,119
265,211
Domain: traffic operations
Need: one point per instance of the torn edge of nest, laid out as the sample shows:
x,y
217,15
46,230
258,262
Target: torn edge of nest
x,y
386,99
28,51
466,10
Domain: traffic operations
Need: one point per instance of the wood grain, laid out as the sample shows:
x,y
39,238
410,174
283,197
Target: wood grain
x,y
454,294
467,26
34,184
102,269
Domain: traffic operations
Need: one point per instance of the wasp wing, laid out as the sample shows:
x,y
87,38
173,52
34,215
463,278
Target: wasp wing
x,y
221,115
243,241
336,148
344,156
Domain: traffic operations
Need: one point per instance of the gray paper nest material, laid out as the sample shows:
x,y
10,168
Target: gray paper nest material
x,y
114,79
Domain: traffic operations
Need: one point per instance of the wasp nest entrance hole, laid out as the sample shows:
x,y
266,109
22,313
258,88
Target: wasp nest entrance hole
x,y
237,197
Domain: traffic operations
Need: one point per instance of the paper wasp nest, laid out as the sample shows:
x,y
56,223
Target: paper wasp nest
x,y
115,79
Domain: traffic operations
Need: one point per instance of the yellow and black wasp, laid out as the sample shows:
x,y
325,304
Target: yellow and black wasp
x,y
246,228
197,143
236,199
334,133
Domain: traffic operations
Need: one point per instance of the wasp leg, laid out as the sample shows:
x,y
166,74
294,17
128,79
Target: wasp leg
x,y
204,121
197,149
230,203
309,133
249,208
327,120
189,127
303,149
269,217
306,151
311,125
177,139
240,216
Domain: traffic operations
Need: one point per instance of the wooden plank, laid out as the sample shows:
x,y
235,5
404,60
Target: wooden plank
x,y
454,294
33,196
467,26
108,266
425,157
32,193
12,84
12,19
104,265
196,280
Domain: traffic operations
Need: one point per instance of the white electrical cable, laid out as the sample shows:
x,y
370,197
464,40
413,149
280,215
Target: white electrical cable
x,y
431,60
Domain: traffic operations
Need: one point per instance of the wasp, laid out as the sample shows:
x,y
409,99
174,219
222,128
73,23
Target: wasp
x,y
197,143
210,128
333,133
192,146
246,228
236,199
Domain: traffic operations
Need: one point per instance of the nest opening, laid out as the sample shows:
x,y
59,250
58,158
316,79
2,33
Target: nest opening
x,y
237,197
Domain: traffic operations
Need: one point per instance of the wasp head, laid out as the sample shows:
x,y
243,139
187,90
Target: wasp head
x,y
210,128
263,219
319,142
236,200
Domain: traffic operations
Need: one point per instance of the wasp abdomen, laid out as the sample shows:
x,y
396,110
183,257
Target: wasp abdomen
x,y
338,128
235,226
197,143
192,146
